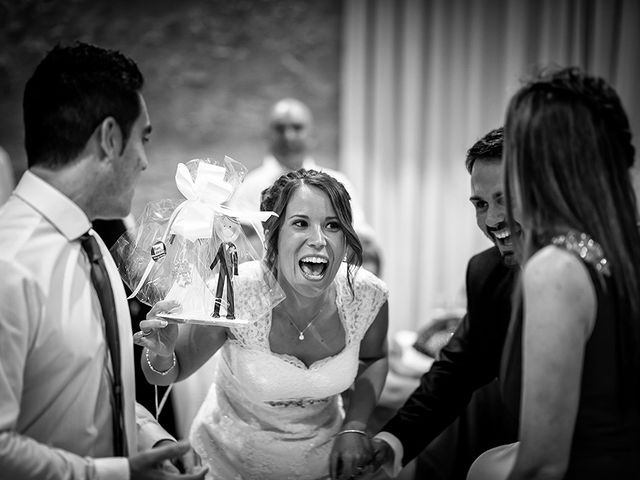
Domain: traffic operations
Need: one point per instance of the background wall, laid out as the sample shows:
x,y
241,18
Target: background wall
x,y
212,70
400,89
422,80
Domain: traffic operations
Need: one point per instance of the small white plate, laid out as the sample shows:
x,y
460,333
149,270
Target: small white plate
x,y
214,322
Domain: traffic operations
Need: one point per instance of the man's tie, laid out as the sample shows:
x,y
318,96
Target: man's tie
x,y
100,279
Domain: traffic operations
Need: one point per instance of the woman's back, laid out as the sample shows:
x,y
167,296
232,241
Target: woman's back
x,y
606,439
606,435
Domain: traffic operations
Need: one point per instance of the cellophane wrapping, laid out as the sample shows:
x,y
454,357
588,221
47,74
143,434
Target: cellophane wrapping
x,y
175,251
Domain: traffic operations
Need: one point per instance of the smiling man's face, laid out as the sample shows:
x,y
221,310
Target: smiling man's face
x,y
490,204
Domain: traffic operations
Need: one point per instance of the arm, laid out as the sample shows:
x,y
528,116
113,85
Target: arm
x,y
351,450
24,458
470,360
192,346
560,308
372,373
150,432
219,253
234,260
21,456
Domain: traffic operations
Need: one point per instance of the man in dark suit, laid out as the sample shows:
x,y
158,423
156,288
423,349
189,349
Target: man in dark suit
x,y
461,385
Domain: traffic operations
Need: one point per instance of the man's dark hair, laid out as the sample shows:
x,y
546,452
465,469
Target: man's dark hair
x,y
489,146
73,89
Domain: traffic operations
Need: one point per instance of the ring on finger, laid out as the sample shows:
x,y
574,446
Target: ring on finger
x,y
146,333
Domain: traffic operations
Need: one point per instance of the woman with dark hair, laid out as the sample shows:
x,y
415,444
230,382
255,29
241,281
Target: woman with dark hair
x,y
274,410
576,333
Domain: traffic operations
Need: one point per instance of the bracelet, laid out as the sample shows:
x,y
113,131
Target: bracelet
x,y
352,430
173,364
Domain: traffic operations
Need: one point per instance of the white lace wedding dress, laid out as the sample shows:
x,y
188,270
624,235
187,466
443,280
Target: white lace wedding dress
x,y
268,416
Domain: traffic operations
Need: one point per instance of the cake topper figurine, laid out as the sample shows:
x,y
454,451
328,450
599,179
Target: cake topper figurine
x,y
228,230
194,250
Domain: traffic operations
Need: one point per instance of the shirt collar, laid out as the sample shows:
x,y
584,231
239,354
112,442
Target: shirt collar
x,y
309,164
64,214
270,161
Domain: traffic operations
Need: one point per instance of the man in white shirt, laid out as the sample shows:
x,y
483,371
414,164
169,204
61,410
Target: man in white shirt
x,y
86,123
290,134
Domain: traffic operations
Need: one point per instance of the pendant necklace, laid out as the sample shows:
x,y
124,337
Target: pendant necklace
x,y
301,332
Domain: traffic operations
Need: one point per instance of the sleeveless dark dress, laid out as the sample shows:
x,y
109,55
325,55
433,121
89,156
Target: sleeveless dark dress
x,y
606,438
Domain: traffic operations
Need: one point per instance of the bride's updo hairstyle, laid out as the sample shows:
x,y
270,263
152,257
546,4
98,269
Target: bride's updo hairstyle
x,y
276,198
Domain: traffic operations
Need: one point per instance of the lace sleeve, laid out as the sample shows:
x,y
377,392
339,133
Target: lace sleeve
x,y
253,303
361,308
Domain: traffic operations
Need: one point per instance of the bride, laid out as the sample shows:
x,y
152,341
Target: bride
x,y
274,409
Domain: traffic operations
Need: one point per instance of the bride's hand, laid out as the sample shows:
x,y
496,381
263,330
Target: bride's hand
x,y
156,334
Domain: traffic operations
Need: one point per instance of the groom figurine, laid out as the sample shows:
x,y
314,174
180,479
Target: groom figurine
x,y
471,359
227,256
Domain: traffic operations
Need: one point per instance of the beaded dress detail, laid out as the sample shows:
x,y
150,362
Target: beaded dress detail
x,y
268,415
585,247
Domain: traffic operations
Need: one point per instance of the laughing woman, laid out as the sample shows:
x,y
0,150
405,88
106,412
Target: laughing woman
x,y
567,158
274,410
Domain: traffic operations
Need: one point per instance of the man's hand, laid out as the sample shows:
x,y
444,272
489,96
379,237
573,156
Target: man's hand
x,y
149,465
187,463
382,455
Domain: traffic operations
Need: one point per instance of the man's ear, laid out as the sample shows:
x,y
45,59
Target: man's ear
x,y
110,138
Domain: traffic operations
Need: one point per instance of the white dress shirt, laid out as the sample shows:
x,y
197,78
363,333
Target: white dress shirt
x,y
55,409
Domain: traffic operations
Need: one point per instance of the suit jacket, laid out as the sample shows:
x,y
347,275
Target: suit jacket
x,y
470,360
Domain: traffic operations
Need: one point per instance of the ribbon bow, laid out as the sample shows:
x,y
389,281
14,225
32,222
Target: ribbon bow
x,y
204,196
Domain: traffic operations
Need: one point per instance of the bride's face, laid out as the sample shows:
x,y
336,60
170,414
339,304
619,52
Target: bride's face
x,y
311,244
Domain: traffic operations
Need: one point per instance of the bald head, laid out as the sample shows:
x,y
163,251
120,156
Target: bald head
x,y
290,126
